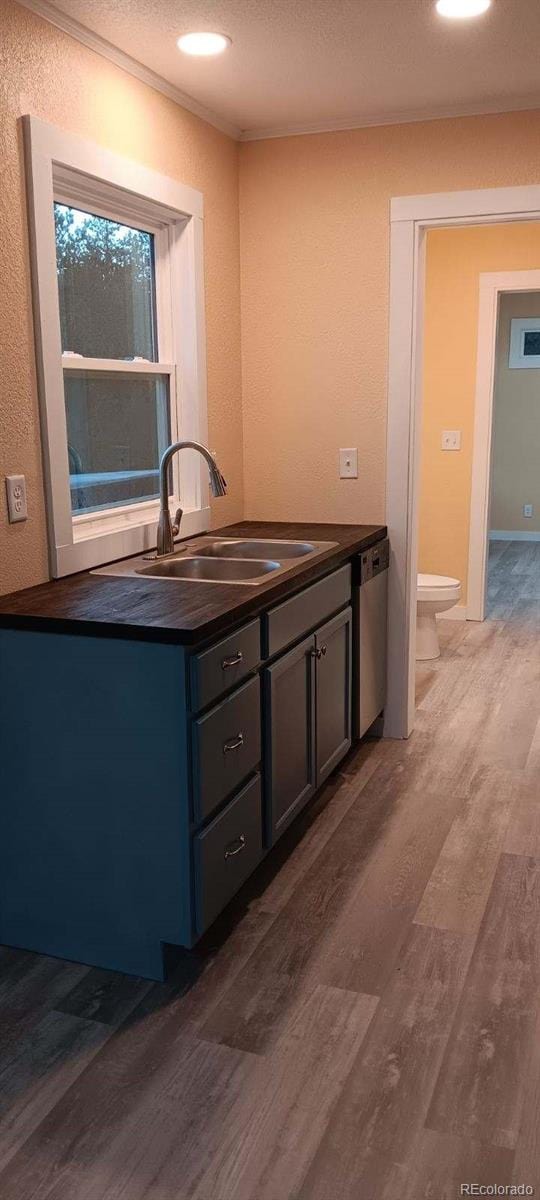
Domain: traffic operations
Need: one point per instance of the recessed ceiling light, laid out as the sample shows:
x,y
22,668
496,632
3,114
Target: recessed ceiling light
x,y
204,44
461,9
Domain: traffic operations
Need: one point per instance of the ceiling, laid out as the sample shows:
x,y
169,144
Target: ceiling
x,y
301,65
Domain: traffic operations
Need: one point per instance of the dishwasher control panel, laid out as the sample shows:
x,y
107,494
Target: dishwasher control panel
x,y
374,560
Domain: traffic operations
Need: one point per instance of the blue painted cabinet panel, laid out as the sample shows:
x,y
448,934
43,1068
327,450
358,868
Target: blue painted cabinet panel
x,y
94,840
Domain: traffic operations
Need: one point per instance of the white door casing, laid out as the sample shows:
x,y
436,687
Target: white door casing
x,y
410,218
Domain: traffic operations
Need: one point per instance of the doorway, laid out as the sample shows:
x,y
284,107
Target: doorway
x,y
410,218
513,527
499,428
470,312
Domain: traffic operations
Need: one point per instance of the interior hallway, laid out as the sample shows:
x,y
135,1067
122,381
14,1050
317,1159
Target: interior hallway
x,y
361,1024
513,575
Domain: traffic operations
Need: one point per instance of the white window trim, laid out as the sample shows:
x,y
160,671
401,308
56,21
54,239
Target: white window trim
x,y
56,165
519,326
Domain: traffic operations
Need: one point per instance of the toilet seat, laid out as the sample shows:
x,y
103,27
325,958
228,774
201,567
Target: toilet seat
x,y
437,587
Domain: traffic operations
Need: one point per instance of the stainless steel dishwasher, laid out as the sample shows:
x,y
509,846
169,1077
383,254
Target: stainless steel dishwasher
x,y
370,613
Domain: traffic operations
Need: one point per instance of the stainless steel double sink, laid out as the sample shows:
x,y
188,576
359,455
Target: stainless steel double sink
x,y
221,560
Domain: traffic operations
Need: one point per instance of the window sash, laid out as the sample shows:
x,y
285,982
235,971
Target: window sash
x,y
105,366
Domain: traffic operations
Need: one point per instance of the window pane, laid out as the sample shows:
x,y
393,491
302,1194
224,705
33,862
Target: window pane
x,y
531,342
117,427
106,286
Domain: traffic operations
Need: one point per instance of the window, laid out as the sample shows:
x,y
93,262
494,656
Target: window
x,y
117,272
117,418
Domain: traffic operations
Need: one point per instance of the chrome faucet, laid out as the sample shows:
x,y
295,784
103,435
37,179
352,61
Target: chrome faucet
x,y
167,530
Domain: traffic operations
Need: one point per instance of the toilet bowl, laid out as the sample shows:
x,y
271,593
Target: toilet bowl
x,y
434,594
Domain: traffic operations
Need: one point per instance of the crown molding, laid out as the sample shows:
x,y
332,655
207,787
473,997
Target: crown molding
x,y
49,12
101,46
344,124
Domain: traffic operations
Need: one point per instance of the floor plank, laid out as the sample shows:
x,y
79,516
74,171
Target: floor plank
x,y
385,1099
479,1091
131,1093
104,996
440,1164
27,996
523,832
42,1068
359,950
509,730
458,888
267,1150
527,1154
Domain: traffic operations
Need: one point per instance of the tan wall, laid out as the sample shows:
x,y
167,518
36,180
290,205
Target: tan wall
x,y
314,271
48,74
515,478
455,259
315,251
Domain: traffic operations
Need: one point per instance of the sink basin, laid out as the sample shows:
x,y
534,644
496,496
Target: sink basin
x,y
214,571
246,549
244,561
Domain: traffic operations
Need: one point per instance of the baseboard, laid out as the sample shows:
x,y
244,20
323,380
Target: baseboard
x,y
457,613
514,535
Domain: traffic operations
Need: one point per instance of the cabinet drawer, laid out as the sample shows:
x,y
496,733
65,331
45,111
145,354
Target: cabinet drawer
x,y
226,748
289,621
226,853
223,666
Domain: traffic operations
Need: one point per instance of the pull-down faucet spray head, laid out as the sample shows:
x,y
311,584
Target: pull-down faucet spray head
x,y
218,485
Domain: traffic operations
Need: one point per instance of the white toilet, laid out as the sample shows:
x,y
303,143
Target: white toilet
x,y
435,594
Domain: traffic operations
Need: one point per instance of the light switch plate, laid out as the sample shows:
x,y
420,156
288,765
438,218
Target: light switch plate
x,y
451,439
527,510
16,498
348,463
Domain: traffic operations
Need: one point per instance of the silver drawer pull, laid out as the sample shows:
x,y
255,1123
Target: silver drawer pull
x,y
233,743
235,847
232,661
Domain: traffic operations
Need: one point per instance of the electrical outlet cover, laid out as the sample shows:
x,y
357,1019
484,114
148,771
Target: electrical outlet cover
x,y
451,439
16,498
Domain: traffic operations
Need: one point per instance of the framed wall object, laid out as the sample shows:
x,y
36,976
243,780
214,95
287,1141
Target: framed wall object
x,y
524,342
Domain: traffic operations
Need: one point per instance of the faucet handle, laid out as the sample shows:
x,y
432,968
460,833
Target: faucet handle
x,y
177,519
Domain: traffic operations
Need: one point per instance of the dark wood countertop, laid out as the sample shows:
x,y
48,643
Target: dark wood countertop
x,y
184,612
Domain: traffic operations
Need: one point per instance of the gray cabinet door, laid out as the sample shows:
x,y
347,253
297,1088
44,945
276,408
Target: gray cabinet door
x,y
333,693
289,724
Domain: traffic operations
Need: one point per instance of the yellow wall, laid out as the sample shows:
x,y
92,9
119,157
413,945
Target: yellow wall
x,y
48,74
455,259
515,477
315,253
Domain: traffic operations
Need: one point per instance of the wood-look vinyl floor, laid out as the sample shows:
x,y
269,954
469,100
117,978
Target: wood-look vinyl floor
x,y
363,1022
